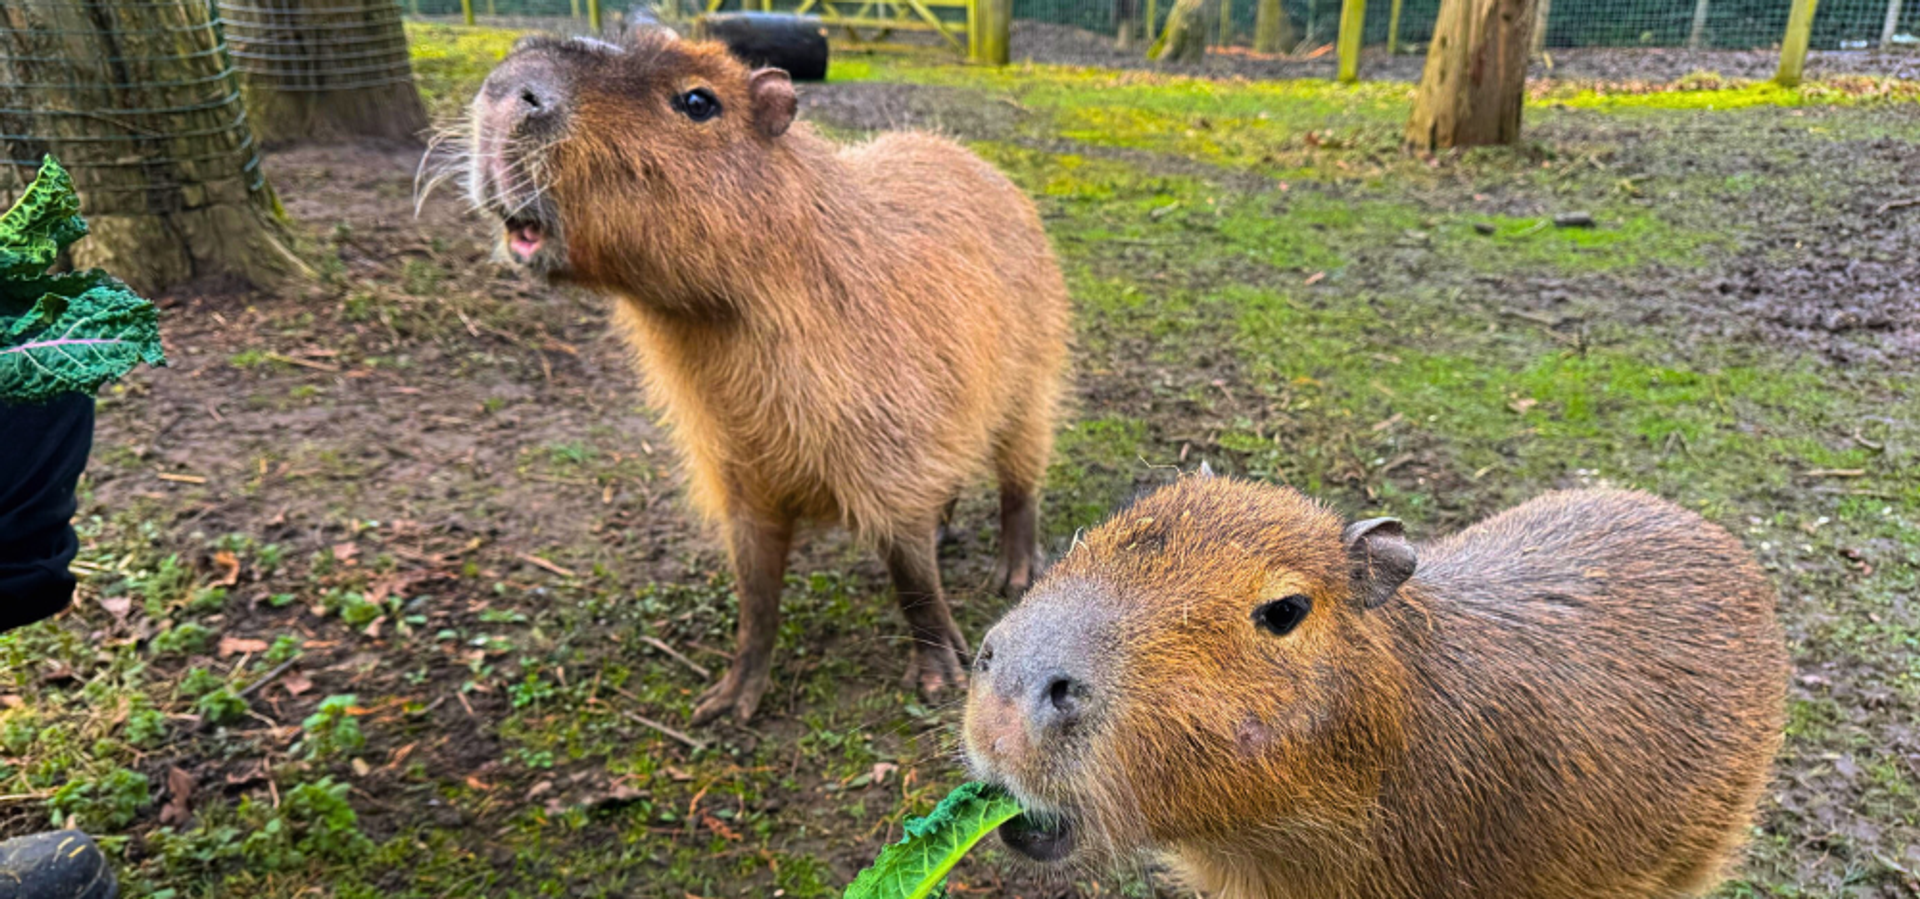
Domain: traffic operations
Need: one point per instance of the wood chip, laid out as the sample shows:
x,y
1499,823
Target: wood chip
x,y
303,363
1837,473
182,478
230,646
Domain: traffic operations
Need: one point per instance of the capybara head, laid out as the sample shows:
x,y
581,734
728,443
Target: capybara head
x,y
1206,666
616,165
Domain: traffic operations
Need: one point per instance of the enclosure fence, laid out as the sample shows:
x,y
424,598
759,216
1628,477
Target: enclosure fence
x,y
291,45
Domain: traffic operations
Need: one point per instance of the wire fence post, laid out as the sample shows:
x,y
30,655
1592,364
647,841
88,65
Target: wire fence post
x,y
994,43
593,15
1226,24
1541,9
1353,20
1393,28
1698,34
466,11
1893,24
1153,16
1793,47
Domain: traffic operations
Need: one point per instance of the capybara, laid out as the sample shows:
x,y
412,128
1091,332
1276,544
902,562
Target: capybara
x,y
1578,698
834,335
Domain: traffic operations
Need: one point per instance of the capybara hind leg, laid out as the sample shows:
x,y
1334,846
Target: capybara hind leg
x,y
1020,559
759,551
938,647
1020,461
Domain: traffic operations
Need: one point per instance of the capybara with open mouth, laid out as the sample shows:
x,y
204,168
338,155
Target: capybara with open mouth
x,y
833,335
1579,697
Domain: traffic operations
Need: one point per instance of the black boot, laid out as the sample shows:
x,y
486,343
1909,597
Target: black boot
x,y
63,864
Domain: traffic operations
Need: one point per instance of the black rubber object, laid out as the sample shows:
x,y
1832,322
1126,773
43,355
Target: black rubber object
x,y
797,44
41,457
61,864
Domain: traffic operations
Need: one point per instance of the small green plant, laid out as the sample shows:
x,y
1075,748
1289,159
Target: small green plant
x,y
145,726
314,820
207,600
331,730
222,706
110,801
285,648
199,682
530,691
184,639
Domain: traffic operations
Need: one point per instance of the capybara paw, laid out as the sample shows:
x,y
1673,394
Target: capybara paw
x,y
1012,577
734,693
937,668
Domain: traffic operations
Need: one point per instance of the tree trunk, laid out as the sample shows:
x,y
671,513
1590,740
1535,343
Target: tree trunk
x,y
324,69
1185,38
1476,76
1272,28
137,101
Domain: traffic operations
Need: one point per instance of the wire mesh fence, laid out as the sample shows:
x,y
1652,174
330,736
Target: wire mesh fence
x,y
293,45
138,99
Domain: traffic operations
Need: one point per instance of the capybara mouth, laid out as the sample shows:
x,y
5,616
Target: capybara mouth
x,y
1040,836
525,237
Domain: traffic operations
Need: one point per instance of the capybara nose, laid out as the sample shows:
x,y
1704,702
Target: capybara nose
x,y
1044,659
1058,707
524,92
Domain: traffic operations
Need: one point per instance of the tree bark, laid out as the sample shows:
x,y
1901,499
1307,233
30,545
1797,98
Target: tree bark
x,y
136,100
1185,38
324,69
1476,76
1272,28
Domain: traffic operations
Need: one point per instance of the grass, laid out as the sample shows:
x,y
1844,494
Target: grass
x,y
1262,281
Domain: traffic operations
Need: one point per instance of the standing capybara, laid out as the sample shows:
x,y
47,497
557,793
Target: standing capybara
x,y
834,335
1578,698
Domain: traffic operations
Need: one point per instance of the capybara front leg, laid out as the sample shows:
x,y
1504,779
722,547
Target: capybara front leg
x,y
759,551
938,647
949,535
1019,548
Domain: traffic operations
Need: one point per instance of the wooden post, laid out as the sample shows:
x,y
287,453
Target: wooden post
x,y
466,11
995,43
575,14
973,30
491,11
1393,28
1226,24
1153,15
593,15
1893,24
1541,9
1698,35
1353,20
1793,47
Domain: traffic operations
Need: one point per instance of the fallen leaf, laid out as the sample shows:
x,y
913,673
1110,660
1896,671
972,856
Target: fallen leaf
x,y
13,702
477,783
179,795
235,645
117,606
539,789
881,770
296,683
678,775
360,767
1316,278
1522,404
229,567
58,673
344,552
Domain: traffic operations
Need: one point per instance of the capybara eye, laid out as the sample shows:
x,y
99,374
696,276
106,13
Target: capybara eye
x,y
1283,615
983,660
698,104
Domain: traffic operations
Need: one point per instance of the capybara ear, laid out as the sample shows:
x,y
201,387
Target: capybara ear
x,y
1382,559
773,100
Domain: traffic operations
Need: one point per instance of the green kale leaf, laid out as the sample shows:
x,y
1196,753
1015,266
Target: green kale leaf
x,y
917,866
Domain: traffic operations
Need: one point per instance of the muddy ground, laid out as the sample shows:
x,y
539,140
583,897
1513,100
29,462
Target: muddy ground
x,y
420,480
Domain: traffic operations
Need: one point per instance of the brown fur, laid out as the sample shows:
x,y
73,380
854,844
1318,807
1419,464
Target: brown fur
x,y
840,335
1577,698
